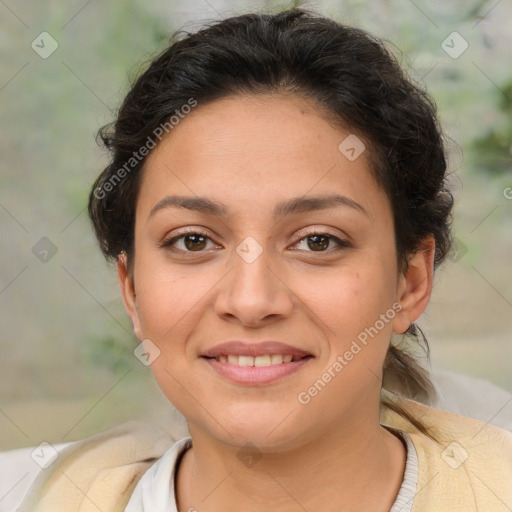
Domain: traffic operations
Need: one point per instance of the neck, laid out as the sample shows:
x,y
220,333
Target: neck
x,y
358,469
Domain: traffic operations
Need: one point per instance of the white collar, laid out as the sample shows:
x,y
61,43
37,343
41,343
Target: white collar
x,y
154,491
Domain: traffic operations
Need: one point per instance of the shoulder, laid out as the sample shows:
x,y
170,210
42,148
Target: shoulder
x,y
106,466
447,424
473,397
18,470
448,427
468,465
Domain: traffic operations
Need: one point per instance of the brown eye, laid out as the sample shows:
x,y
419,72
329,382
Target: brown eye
x,y
194,242
318,242
321,242
188,242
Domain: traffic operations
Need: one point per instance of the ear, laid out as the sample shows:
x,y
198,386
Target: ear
x,y
415,286
128,293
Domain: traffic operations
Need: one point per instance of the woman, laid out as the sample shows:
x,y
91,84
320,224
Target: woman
x,y
276,205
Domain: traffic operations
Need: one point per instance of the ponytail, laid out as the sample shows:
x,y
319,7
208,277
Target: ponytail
x,y
404,376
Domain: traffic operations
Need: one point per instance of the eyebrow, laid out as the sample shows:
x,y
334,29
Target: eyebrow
x,y
290,206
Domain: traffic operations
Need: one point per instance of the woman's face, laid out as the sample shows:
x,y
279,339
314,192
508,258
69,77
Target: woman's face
x,y
255,228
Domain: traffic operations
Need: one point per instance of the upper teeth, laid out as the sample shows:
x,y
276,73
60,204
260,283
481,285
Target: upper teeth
x,y
265,360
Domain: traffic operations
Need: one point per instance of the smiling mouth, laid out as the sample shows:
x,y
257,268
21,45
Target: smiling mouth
x,y
264,360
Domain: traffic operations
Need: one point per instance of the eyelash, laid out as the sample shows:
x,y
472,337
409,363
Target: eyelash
x,y
167,243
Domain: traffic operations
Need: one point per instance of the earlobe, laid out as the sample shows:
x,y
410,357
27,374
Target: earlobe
x,y
415,286
128,293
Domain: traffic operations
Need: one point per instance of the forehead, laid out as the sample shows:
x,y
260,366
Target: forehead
x,y
258,149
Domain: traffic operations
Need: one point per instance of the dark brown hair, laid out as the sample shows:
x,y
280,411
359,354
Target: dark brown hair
x,y
352,78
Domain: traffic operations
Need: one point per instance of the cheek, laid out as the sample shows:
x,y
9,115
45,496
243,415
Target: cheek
x,y
170,308
352,297
168,305
356,308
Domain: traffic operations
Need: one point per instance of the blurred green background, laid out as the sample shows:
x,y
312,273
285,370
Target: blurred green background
x,y
67,368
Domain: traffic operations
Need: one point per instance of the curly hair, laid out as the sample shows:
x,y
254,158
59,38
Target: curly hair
x,y
353,79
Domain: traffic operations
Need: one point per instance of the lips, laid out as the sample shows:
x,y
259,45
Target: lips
x,y
263,348
254,364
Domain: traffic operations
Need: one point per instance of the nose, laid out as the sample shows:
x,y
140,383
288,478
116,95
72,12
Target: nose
x,y
253,293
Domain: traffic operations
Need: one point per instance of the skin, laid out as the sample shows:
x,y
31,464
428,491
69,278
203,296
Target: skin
x,y
250,153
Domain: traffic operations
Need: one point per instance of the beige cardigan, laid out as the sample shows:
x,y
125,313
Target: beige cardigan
x,y
471,470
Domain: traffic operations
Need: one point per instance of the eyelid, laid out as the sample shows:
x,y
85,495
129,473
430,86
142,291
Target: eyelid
x,y
168,241
343,243
305,232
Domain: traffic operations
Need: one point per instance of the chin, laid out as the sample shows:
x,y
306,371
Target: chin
x,y
266,426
